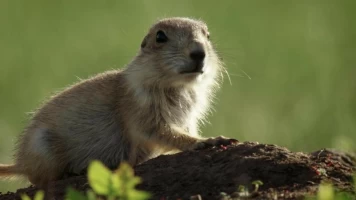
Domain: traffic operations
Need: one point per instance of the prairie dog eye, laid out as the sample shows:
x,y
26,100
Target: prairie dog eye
x,y
161,37
208,36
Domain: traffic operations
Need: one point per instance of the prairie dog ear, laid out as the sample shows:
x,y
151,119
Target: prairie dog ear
x,y
144,42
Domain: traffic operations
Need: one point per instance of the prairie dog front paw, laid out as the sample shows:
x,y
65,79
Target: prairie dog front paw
x,y
214,141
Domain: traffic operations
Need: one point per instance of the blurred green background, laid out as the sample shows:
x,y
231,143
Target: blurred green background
x,y
292,63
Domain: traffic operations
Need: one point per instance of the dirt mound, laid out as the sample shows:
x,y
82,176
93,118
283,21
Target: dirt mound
x,y
209,172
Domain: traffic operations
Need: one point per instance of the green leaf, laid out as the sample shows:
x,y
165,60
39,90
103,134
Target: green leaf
x,y
125,179
120,184
138,195
25,197
74,195
344,196
100,178
116,182
325,192
125,171
115,186
91,195
241,188
257,182
39,195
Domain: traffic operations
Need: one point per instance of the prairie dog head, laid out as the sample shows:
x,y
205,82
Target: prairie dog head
x,y
176,52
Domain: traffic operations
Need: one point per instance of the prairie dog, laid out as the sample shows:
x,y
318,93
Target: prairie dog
x,y
152,106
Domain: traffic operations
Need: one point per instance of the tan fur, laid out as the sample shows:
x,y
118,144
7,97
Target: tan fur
x,y
134,114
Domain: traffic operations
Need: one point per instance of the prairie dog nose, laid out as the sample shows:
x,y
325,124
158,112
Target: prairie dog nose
x,y
197,55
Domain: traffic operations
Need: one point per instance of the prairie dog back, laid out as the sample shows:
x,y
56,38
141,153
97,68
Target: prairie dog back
x,y
152,106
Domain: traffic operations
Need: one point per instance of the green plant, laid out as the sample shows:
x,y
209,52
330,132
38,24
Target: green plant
x,y
243,191
257,184
75,195
114,185
326,191
38,196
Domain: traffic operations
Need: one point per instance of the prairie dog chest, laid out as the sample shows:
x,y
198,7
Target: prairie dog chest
x,y
176,106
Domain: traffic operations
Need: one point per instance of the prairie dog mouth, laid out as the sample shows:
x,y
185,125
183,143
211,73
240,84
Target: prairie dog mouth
x,y
198,68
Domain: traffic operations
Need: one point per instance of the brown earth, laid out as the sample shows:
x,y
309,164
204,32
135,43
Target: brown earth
x,y
209,172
